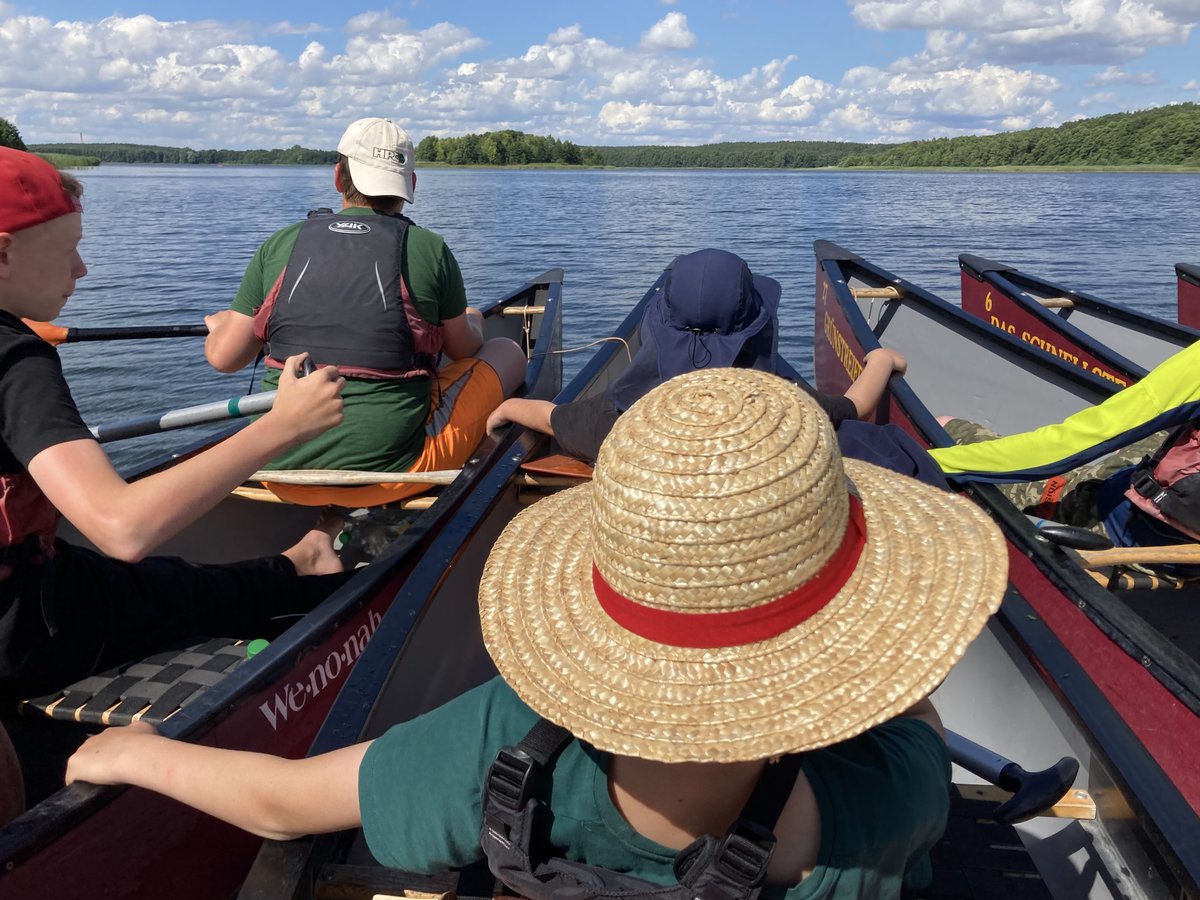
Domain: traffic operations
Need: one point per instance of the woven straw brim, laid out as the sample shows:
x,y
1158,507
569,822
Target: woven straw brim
x,y
932,571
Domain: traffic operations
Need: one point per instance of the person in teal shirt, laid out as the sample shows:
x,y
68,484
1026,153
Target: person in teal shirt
x,y
726,604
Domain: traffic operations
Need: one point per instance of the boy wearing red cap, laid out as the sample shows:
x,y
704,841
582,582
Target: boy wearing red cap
x,y
65,611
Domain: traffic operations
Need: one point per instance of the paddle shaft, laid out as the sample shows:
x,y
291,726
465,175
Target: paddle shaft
x,y
975,758
233,408
57,334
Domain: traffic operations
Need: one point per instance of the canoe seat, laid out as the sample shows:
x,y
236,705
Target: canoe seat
x,y
979,858
149,690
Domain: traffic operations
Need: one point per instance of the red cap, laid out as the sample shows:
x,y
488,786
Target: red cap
x,y
31,191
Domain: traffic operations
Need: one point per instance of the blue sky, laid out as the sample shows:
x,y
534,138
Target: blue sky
x,y
238,75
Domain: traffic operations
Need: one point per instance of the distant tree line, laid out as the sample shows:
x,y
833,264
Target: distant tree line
x,y
1165,136
504,148
9,136
739,155
142,153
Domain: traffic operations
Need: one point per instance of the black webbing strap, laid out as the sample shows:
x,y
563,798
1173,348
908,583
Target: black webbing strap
x,y
771,794
510,782
739,864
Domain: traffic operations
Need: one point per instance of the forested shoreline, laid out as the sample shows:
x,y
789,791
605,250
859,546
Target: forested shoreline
x,y
1167,136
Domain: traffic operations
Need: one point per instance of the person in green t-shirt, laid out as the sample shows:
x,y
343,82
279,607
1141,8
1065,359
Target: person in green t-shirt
x,y
381,298
725,594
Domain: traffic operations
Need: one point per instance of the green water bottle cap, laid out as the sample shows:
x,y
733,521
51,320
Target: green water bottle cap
x,y
256,646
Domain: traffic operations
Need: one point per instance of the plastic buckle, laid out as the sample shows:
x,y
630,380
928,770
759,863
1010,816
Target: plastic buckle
x,y
1145,485
510,779
744,853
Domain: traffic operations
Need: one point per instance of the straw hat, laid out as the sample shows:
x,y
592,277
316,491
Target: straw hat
x,y
723,591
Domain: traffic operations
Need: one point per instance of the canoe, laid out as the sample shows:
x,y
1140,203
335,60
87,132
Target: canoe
x,y
1188,290
1108,339
1134,694
427,650
87,841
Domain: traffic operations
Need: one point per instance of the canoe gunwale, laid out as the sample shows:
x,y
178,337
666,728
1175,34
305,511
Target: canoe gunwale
x,y
55,817
1188,272
1169,822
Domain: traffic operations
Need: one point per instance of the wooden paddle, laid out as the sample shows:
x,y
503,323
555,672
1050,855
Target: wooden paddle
x,y
58,334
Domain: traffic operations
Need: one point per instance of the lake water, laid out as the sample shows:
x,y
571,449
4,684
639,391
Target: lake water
x,y
168,244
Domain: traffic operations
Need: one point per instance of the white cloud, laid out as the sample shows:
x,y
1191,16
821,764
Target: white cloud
x,y
208,83
1049,31
293,28
669,33
1117,75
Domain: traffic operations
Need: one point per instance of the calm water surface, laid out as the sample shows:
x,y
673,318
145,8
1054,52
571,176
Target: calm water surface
x,y
168,244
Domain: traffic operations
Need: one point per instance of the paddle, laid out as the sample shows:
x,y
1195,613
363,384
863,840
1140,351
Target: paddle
x,y
57,334
233,408
1032,792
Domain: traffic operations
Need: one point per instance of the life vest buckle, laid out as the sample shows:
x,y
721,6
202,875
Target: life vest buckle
x,y
511,777
745,852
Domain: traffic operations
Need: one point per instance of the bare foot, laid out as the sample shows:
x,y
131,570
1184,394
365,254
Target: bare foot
x,y
945,420
313,554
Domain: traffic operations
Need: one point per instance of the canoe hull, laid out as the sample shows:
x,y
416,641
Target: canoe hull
x,y
1138,731
126,843
1188,294
1108,339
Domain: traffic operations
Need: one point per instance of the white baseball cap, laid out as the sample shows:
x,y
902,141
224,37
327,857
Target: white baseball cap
x,y
381,158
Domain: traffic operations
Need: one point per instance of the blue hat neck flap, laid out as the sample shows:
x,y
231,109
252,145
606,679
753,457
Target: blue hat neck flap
x,y
712,312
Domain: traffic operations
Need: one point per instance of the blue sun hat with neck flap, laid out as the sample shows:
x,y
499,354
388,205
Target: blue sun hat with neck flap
x,y
711,313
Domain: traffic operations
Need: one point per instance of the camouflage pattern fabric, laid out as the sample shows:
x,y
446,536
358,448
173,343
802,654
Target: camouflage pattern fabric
x,y
1070,498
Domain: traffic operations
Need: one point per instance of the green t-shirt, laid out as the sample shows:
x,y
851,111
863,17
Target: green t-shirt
x,y
384,426
883,799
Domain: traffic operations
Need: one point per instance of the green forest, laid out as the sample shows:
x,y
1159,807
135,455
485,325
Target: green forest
x,y
504,148
141,153
1167,136
739,155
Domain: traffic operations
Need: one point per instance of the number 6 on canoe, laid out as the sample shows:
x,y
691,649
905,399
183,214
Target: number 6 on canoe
x,y
233,408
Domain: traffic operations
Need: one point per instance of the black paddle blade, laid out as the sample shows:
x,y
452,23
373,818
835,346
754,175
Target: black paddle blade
x,y
1073,536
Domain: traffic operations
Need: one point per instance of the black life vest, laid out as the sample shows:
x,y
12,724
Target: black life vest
x,y
729,868
1167,484
342,298
27,523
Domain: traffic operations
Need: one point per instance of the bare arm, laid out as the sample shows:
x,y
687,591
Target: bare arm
x,y
868,388
530,413
231,343
127,520
272,797
462,336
